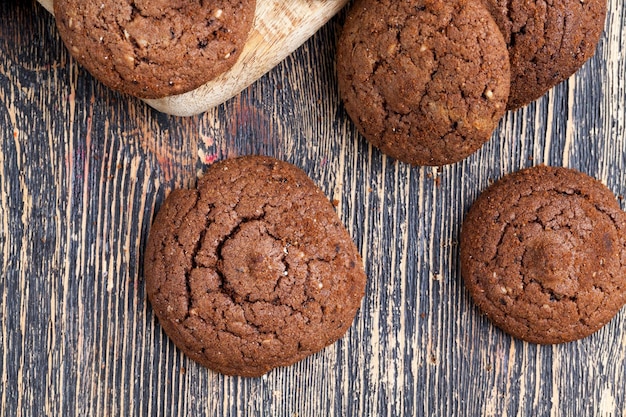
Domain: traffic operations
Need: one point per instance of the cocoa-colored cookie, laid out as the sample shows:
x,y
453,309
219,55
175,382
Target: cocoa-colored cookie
x,y
426,81
548,41
543,254
155,48
253,270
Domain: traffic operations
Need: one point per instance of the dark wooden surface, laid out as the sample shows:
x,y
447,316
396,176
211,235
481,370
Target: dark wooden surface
x,y
83,170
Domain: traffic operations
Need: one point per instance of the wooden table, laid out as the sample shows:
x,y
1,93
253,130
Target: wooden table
x,y
83,170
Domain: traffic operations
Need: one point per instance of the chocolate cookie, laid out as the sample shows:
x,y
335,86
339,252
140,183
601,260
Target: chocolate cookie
x,y
548,41
253,270
153,49
426,81
543,254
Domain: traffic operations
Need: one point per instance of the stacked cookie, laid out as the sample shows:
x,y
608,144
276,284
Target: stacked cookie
x,y
426,81
547,41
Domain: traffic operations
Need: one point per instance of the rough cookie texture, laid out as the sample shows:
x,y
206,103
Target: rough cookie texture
x,y
543,254
548,41
154,48
426,81
253,270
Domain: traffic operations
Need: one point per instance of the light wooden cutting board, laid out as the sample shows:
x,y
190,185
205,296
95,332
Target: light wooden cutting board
x,y
280,27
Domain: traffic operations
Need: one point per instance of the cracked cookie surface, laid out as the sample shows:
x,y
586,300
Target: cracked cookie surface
x,y
153,49
548,41
253,269
543,254
425,81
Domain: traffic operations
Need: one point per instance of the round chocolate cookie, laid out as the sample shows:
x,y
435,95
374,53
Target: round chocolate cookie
x,y
153,49
253,270
543,254
548,41
426,81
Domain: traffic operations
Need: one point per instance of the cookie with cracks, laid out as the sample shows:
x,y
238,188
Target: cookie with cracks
x,y
252,270
154,49
543,254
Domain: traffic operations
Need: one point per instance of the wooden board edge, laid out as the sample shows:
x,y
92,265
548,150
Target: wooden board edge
x,y
280,27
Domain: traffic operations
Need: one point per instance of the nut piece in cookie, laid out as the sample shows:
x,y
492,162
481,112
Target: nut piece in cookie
x,y
153,49
543,254
425,81
547,41
252,270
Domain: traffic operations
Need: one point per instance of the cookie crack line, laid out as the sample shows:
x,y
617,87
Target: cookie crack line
x,y
506,226
220,257
194,263
195,251
285,265
600,209
556,192
136,10
231,293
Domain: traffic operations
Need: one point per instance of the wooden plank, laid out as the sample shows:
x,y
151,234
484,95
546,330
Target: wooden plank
x,y
83,170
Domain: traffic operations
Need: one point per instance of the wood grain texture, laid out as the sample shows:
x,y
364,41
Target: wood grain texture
x,y
280,27
83,170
